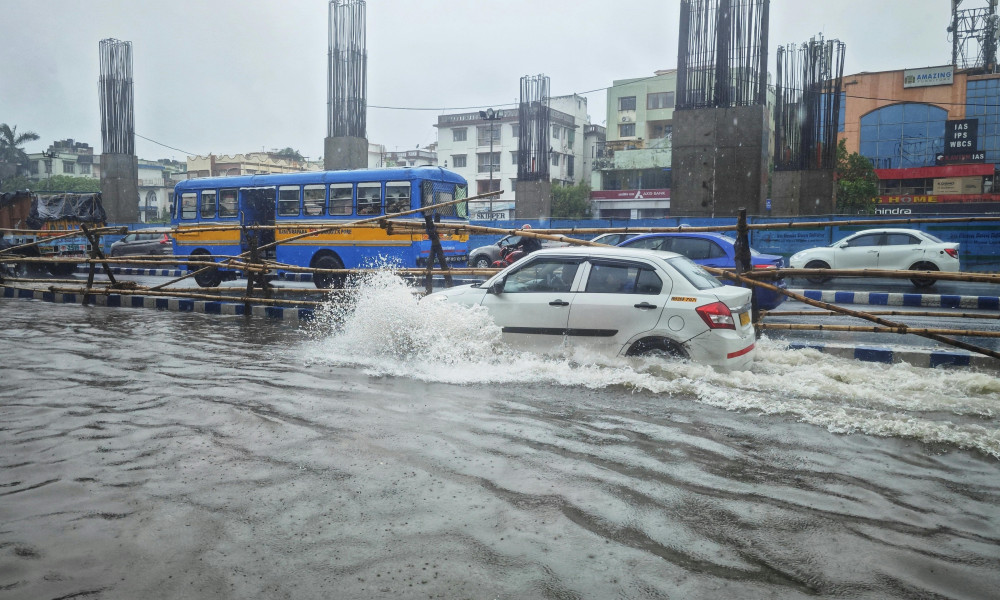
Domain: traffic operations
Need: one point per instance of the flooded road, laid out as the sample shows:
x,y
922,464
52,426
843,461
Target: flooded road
x,y
401,451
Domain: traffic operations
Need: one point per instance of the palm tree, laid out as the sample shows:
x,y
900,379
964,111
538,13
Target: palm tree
x,y
11,152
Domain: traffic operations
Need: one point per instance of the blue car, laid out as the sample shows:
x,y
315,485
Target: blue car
x,y
714,250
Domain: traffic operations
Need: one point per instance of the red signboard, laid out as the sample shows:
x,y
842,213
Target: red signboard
x,y
935,172
949,198
658,194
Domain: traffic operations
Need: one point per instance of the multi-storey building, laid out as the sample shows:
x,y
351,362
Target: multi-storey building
x,y
484,150
64,157
252,163
631,177
933,135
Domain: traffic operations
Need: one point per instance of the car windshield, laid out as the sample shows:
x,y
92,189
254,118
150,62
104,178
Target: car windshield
x,y
699,278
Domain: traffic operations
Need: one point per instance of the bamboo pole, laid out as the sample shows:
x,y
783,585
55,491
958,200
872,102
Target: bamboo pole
x,y
854,313
901,329
895,274
904,313
72,233
182,294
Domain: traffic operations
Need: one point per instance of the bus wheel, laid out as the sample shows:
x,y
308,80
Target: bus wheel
x,y
208,278
328,280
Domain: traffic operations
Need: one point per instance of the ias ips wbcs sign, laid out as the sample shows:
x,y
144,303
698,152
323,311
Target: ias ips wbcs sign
x,y
960,136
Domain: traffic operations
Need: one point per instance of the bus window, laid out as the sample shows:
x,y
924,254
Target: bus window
x,y
288,201
189,205
369,198
314,199
208,204
227,204
432,193
397,197
341,198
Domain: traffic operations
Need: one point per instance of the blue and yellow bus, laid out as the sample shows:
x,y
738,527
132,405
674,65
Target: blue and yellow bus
x,y
290,204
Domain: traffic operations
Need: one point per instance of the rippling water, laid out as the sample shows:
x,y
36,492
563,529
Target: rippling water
x,y
400,450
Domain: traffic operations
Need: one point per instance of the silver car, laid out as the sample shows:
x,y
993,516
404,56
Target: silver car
x,y
483,257
146,242
617,301
883,249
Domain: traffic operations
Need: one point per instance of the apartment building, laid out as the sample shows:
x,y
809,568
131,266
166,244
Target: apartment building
x,y
631,175
484,150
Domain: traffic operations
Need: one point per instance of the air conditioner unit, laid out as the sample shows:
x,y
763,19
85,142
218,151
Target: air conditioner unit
x,y
626,119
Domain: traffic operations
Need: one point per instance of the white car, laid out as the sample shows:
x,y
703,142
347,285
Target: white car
x,y
616,301
888,249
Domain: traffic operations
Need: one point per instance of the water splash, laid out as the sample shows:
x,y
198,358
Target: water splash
x,y
388,331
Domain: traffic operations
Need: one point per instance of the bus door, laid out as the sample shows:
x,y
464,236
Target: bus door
x,y
256,208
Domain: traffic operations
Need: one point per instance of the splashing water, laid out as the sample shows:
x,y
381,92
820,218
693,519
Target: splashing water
x,y
388,331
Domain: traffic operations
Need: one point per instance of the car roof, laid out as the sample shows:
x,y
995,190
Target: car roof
x,y
890,230
605,252
701,234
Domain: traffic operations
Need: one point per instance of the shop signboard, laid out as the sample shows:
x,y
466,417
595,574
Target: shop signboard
x,y
930,76
960,136
977,156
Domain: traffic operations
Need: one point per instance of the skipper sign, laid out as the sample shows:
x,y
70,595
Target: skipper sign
x,y
960,136
928,77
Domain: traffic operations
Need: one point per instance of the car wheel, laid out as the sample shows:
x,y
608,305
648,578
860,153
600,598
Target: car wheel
x,y
922,282
328,280
208,278
817,264
482,262
657,348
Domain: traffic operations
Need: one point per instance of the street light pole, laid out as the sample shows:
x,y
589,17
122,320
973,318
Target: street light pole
x,y
490,115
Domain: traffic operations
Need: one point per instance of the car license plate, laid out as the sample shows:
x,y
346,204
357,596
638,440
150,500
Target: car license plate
x,y
744,318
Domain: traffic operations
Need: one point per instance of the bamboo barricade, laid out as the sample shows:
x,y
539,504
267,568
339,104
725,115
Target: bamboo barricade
x,y
906,313
900,327
178,293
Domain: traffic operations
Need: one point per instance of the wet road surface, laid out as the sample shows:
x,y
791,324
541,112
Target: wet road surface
x,y
402,452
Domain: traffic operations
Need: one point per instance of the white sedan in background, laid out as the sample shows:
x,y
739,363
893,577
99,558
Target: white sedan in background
x,y
888,249
616,301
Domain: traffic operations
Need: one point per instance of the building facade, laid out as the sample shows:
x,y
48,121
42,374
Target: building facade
x,y
933,135
484,151
631,175
64,157
252,163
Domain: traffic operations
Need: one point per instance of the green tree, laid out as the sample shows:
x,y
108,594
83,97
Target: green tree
x,y
15,183
12,157
571,202
11,142
65,183
289,153
857,184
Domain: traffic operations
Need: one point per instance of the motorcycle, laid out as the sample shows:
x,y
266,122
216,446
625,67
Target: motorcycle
x,y
508,256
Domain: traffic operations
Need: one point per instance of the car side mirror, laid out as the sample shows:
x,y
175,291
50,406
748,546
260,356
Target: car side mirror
x,y
496,288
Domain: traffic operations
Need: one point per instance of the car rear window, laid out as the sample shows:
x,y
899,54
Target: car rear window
x,y
698,277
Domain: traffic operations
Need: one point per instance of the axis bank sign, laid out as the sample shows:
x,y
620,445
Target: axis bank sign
x,y
928,77
655,194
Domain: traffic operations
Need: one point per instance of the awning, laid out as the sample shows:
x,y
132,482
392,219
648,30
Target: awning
x,y
936,172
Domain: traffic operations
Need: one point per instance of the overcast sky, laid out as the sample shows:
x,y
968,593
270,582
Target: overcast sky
x,y
229,76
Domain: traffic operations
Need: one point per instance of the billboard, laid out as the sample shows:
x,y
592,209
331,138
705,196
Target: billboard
x,y
930,76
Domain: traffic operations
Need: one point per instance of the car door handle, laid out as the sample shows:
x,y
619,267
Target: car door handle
x,y
645,305
558,303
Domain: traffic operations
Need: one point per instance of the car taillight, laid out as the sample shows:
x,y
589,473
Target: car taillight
x,y
951,252
716,316
165,239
